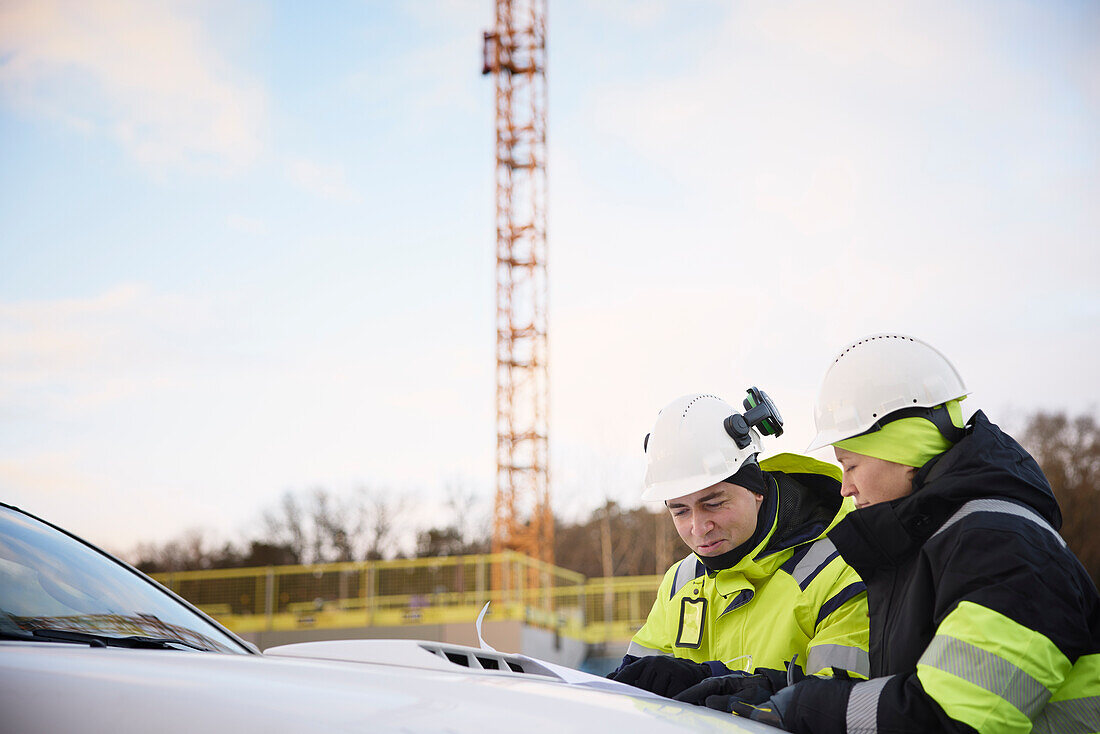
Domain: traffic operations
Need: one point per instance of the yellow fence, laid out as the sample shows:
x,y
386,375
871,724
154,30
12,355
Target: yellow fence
x,y
419,591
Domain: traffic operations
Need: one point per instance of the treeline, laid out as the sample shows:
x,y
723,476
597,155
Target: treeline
x,y
1068,450
318,526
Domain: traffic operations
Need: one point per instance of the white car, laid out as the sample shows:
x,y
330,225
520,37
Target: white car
x,y
89,644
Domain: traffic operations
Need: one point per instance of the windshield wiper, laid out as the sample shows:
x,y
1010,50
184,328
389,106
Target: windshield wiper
x,y
95,640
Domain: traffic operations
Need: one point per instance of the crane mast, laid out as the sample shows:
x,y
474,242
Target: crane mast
x,y
515,55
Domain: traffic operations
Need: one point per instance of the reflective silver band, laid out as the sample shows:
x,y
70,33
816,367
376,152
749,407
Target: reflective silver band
x,y
852,659
1002,506
816,556
1072,716
862,715
641,651
988,671
686,572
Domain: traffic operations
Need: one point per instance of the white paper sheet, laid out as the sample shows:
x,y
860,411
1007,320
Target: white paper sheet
x,y
580,678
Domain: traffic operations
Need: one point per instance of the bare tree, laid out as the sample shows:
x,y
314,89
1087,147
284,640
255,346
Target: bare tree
x,y
1068,450
382,516
466,532
324,527
286,526
337,525
190,551
615,541
471,510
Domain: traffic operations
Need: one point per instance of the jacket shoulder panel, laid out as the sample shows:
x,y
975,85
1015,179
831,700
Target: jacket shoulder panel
x,y
687,570
799,464
1004,557
809,560
1003,507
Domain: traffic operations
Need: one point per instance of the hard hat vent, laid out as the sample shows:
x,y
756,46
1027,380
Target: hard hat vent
x,y
694,401
870,339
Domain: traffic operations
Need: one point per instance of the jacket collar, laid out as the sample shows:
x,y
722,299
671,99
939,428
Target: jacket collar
x,y
985,463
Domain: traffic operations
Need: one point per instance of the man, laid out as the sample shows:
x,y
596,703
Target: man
x,y
762,590
981,618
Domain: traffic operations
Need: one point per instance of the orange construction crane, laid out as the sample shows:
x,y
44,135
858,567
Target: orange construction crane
x,y
515,54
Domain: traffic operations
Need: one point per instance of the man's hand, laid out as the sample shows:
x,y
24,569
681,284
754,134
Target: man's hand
x,y
661,674
718,692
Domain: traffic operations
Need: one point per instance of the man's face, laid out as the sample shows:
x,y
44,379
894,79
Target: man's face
x,y
716,519
869,481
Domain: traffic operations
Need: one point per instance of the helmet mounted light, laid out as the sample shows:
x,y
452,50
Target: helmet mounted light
x,y
760,413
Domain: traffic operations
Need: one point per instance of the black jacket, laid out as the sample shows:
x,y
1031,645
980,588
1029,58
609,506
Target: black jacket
x,y
923,555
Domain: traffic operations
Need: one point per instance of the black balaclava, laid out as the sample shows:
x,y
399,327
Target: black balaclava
x,y
751,478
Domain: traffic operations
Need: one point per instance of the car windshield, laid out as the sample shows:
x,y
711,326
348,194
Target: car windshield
x,y
51,581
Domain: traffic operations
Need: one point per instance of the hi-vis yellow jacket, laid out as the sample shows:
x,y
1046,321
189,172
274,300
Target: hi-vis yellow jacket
x,y
792,595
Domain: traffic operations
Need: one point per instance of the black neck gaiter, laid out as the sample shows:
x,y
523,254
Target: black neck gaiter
x,y
751,478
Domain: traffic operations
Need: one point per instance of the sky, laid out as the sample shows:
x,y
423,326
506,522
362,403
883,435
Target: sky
x,y
248,247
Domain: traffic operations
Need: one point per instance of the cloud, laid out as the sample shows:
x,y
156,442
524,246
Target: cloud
x,y
893,88
141,73
823,203
633,12
326,181
64,358
854,149
438,81
135,399
247,225
846,34
45,473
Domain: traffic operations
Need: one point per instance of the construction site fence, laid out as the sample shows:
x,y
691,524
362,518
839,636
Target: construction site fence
x,y
420,591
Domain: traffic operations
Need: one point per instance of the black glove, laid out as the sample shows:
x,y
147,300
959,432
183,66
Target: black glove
x,y
627,660
661,674
770,712
765,713
719,691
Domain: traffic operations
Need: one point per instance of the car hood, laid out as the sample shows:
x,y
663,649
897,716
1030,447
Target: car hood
x,y
354,686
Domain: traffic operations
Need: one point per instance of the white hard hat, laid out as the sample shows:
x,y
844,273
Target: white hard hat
x,y
876,376
691,449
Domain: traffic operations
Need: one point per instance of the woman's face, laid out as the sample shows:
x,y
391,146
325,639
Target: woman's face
x,y
869,481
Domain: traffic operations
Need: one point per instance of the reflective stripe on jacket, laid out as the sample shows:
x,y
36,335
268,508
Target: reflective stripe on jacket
x,y
782,600
981,619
